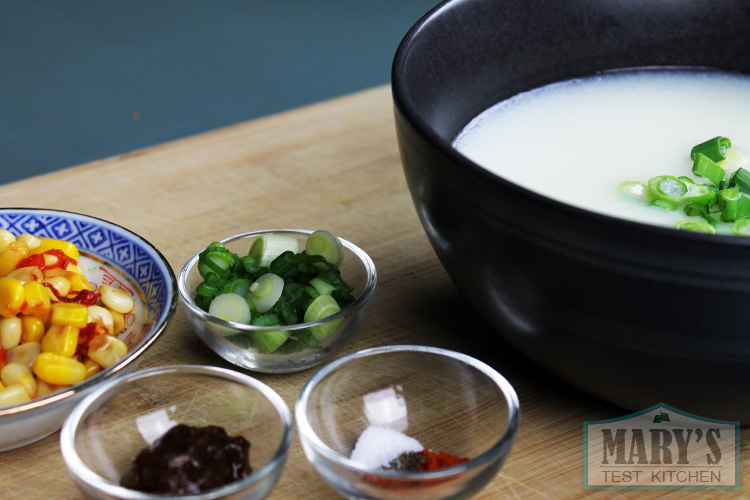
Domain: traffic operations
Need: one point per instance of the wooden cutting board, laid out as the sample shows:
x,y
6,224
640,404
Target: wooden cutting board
x,y
333,165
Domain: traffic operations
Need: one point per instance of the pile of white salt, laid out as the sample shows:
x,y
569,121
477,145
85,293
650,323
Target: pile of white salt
x,y
379,446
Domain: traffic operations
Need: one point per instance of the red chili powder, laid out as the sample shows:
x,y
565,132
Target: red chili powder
x,y
423,461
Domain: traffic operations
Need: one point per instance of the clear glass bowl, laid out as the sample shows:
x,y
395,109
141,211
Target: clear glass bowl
x,y
447,401
357,269
104,433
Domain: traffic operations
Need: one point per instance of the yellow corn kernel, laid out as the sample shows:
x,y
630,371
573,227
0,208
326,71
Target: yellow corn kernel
x,y
11,297
55,271
24,354
66,271
18,374
67,247
10,332
31,241
45,389
116,299
102,317
13,395
32,329
1,385
59,283
36,250
78,282
36,300
74,268
118,322
11,256
26,274
107,350
61,339
6,238
69,313
58,370
92,368
52,261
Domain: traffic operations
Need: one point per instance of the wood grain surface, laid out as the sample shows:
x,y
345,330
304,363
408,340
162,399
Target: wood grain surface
x,y
333,165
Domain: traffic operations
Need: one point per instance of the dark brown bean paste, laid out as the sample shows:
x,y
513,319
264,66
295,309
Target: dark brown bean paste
x,y
188,460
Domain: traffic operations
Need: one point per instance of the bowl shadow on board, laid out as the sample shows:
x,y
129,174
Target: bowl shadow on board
x,y
634,314
450,322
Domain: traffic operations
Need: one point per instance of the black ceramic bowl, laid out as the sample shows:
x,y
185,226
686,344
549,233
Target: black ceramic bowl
x,y
632,313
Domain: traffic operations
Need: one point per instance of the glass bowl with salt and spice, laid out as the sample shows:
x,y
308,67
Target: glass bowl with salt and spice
x,y
196,432
411,422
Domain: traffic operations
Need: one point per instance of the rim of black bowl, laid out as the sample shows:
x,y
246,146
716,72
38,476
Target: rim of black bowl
x,y
505,442
81,471
159,325
359,302
405,105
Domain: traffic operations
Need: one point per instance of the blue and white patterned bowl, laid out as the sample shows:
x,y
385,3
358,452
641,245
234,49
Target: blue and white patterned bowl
x,y
109,254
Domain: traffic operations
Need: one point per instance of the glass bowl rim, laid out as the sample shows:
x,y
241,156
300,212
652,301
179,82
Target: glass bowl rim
x,y
359,302
91,479
132,357
306,433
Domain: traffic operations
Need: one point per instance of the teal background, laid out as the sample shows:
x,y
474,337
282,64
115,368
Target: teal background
x,y
84,80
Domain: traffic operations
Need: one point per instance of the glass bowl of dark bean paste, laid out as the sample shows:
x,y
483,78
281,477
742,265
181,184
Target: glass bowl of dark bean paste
x,y
178,431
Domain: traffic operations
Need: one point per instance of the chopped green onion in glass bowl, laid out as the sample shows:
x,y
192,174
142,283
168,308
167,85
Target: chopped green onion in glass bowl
x,y
271,301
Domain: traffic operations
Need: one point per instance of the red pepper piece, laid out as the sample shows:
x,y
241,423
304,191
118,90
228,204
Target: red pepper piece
x,y
426,460
435,461
32,260
62,259
54,290
85,335
85,297
37,260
